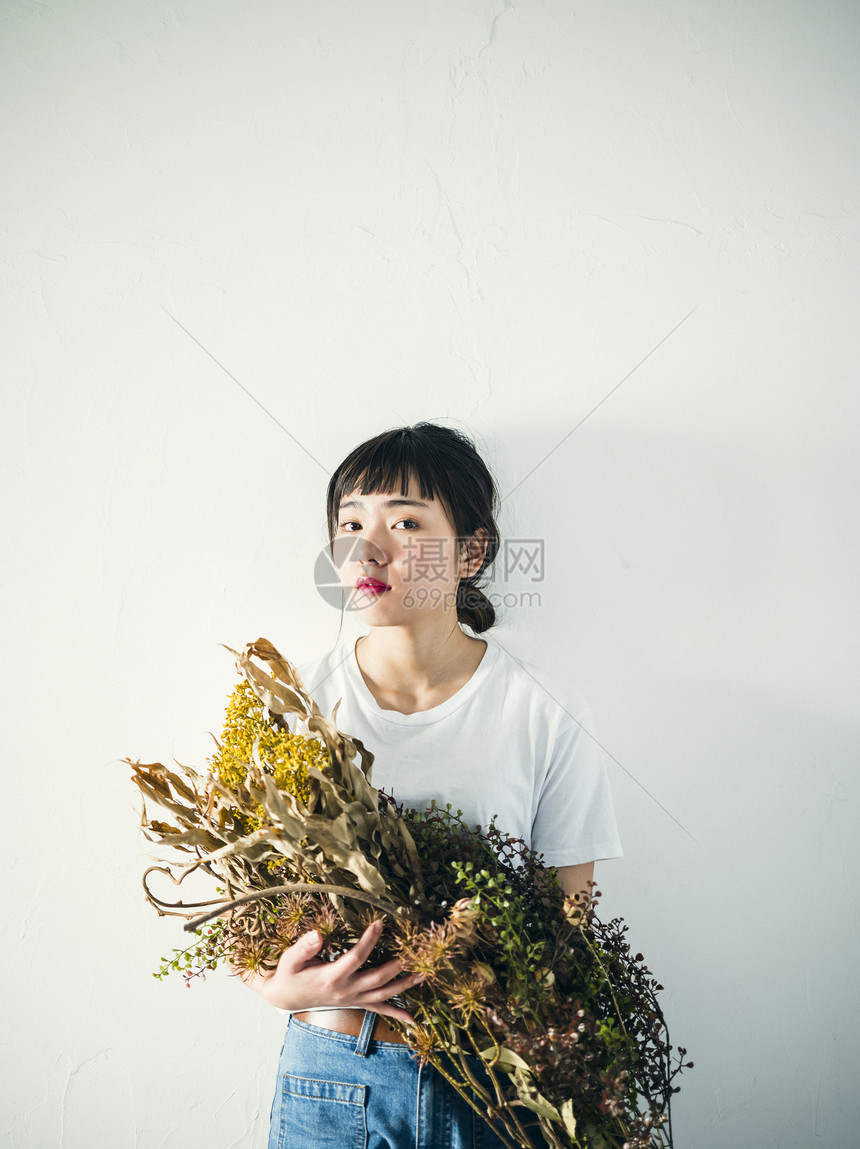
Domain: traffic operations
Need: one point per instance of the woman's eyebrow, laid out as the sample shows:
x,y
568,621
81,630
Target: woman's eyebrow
x,y
387,503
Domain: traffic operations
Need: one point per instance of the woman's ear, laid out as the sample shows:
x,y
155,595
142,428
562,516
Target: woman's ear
x,y
473,550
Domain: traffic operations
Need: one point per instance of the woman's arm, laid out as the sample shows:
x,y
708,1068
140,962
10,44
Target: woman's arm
x,y
575,879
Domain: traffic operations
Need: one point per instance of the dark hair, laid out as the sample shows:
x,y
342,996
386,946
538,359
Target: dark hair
x,y
448,468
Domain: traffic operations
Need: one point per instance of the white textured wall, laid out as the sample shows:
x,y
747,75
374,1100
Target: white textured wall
x,y
365,214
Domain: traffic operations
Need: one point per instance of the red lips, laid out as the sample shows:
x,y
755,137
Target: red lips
x,y
371,584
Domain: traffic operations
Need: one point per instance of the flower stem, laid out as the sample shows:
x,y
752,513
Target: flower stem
x,y
295,888
484,1114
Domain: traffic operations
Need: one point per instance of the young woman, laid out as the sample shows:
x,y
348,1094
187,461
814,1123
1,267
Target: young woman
x,y
448,716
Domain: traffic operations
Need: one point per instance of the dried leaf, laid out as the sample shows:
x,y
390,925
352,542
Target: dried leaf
x,y
568,1119
506,1058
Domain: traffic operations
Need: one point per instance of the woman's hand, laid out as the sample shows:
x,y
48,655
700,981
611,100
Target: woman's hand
x,y
301,981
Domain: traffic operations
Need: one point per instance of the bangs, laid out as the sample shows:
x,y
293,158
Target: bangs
x,y
384,466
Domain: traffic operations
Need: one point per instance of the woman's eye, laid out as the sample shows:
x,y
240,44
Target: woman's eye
x,y
353,523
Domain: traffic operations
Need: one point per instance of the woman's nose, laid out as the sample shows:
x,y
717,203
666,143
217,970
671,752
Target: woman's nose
x,y
367,550
349,550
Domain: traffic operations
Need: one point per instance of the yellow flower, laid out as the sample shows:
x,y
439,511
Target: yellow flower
x,y
283,755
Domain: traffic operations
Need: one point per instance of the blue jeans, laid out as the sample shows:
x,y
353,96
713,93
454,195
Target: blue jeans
x,y
342,1092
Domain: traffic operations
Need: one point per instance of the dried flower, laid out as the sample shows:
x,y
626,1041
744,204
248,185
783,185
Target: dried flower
x,y
425,1043
294,914
553,1000
327,924
468,994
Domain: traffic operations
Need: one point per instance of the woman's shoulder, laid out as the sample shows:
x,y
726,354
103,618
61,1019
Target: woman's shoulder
x,y
542,689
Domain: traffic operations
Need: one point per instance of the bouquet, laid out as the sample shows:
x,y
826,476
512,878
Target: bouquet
x,y
532,1008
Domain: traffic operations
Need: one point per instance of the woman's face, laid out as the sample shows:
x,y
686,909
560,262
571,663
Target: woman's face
x,y
397,555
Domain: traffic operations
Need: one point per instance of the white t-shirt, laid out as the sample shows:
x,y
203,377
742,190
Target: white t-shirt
x,y
513,741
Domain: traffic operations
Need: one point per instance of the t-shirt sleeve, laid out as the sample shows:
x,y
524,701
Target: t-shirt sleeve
x,y
575,820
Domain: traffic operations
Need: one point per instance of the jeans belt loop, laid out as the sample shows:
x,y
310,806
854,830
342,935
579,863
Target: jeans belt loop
x,y
363,1043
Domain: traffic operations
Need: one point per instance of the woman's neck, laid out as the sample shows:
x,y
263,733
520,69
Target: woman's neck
x,y
410,672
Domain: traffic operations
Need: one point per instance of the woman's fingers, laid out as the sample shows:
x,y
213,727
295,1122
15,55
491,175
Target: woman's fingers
x,y
301,976
375,997
389,1010
302,951
386,980
356,957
